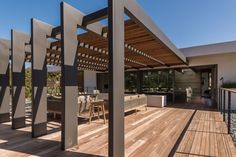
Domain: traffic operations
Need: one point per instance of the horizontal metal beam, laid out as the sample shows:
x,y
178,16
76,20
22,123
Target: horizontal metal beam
x,y
136,13
95,17
56,31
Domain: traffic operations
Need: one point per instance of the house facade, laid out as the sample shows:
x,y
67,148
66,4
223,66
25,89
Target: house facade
x,y
220,56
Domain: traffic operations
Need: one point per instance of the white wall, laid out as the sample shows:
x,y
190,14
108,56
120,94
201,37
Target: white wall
x,y
211,49
226,64
226,67
90,80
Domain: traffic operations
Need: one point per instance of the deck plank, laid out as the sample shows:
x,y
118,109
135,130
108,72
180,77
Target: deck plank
x,y
209,135
150,133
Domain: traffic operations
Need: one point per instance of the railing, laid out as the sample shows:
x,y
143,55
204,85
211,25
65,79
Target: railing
x,y
225,107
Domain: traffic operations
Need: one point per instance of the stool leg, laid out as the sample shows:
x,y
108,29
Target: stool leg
x,y
104,114
98,110
80,108
93,111
90,113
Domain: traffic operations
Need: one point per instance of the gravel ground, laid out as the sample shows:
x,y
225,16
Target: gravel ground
x,y
233,126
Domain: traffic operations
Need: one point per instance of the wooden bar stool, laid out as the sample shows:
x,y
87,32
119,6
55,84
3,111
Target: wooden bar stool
x,y
98,105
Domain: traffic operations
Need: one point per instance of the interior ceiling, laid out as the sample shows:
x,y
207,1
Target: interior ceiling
x,y
142,50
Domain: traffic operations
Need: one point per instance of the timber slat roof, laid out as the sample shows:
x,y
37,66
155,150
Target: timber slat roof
x,y
142,50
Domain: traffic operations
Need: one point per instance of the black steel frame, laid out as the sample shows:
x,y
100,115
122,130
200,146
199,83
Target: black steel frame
x,y
222,105
66,33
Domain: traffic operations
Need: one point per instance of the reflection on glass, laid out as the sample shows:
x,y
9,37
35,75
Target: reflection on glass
x,y
157,81
131,82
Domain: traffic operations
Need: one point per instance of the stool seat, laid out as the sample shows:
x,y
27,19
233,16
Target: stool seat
x,y
99,105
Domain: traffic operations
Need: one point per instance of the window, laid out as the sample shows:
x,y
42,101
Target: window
x,y
131,82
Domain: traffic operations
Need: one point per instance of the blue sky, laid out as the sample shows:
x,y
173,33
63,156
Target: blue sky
x,y
185,22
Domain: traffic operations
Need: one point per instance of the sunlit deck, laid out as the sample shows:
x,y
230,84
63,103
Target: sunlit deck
x,y
155,132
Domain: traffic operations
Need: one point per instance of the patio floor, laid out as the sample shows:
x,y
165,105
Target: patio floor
x,y
173,131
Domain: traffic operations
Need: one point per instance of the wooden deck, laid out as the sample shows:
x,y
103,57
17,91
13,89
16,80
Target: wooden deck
x,y
155,132
206,136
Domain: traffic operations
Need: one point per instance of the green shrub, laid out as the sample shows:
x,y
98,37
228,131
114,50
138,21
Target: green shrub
x,y
52,76
229,85
28,86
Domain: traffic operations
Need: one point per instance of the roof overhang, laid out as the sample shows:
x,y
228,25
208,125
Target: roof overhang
x,y
210,49
146,46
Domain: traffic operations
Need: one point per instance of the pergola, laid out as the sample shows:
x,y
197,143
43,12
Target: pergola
x,y
134,43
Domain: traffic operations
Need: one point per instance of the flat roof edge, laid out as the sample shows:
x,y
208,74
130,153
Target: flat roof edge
x,y
210,49
133,9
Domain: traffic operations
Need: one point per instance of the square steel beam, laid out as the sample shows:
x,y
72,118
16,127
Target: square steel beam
x,y
18,45
70,19
116,77
4,81
95,17
39,33
136,13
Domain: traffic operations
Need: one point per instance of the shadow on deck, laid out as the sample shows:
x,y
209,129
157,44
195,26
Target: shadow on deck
x,y
179,130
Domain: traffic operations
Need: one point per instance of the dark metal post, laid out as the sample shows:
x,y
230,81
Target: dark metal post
x,y
4,81
229,112
116,77
18,41
70,19
224,101
39,33
139,81
221,101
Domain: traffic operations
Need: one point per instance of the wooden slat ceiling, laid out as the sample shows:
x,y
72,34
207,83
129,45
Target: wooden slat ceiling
x,y
142,50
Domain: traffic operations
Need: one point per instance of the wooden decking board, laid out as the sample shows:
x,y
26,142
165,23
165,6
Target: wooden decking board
x,y
154,137
210,139
176,131
147,133
155,131
157,148
140,131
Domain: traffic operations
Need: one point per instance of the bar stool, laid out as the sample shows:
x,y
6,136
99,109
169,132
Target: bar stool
x,y
99,105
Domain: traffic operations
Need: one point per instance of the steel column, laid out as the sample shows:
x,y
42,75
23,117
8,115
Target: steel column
x,y
221,93
70,19
219,99
39,33
219,102
224,101
18,42
116,77
229,112
4,81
